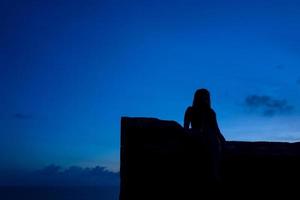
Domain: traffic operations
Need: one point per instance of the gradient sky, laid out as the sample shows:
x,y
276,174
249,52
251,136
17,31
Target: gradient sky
x,y
69,69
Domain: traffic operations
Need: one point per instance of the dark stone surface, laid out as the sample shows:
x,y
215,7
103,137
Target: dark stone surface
x,y
160,160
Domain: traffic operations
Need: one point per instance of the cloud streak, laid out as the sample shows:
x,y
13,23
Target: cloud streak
x,y
54,175
280,67
267,105
22,116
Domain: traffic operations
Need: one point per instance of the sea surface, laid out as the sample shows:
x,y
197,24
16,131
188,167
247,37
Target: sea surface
x,y
59,193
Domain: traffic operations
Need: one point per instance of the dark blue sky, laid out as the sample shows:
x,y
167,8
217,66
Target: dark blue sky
x,y
70,69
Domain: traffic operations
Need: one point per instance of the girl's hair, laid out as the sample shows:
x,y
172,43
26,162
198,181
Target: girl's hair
x,y
202,98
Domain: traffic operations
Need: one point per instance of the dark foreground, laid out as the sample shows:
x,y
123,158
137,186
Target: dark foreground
x,y
59,193
159,160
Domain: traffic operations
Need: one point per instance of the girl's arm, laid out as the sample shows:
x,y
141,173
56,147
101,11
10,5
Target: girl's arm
x,y
219,135
187,118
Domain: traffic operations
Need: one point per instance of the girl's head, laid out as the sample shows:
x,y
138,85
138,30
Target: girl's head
x,y
202,98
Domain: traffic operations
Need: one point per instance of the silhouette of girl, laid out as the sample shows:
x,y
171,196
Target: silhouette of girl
x,y
204,126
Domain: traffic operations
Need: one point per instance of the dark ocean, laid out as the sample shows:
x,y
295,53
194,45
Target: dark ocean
x,y
59,193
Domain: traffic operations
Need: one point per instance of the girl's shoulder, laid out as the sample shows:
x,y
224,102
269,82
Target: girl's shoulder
x,y
190,108
212,112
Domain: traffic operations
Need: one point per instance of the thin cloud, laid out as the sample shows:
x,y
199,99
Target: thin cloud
x,y
289,138
22,116
267,105
54,175
280,67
